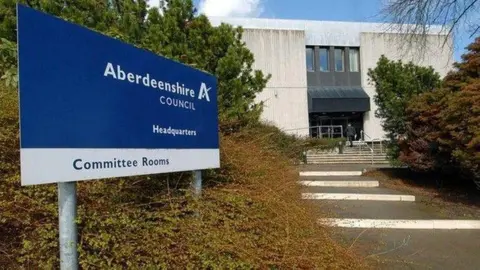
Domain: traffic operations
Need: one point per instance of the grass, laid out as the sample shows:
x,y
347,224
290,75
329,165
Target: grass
x,y
249,216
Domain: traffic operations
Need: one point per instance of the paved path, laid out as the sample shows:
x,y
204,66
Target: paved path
x,y
366,219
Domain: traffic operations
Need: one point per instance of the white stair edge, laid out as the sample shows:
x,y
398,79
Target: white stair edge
x,y
358,197
348,162
352,158
330,173
340,183
345,161
347,155
402,223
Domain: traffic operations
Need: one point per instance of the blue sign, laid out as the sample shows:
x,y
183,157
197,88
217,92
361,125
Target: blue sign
x,y
85,96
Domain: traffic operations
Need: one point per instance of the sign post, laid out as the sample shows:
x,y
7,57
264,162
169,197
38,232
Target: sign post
x,y
67,214
197,183
93,107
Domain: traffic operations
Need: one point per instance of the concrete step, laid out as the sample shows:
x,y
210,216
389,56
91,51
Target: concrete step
x,y
339,167
362,149
340,183
364,160
354,193
351,154
344,173
358,197
355,160
354,153
347,149
346,157
337,178
363,152
383,162
351,190
348,153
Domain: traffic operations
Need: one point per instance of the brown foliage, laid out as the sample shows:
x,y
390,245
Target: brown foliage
x,y
250,215
421,150
444,130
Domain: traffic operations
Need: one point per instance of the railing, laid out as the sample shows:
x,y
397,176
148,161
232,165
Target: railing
x,y
373,141
331,131
362,138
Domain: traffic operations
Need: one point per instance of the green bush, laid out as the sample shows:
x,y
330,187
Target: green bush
x,y
396,83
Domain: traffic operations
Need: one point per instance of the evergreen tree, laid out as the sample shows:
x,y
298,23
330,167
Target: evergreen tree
x,y
396,83
175,31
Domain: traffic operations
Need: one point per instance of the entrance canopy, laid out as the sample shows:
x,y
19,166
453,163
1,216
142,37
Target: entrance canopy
x,y
323,99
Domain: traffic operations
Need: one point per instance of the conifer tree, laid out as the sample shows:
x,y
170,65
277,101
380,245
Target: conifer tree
x,y
175,31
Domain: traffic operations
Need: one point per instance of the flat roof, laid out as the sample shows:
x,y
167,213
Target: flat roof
x,y
332,33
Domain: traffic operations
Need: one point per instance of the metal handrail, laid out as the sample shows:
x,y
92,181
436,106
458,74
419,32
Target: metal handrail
x,y
363,134
330,133
362,137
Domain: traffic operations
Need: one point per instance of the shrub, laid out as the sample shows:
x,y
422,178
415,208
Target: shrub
x,y
290,145
250,215
395,84
443,133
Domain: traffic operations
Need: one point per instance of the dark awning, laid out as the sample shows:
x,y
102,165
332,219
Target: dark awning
x,y
337,99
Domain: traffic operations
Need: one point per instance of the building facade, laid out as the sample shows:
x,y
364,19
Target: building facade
x,y
319,69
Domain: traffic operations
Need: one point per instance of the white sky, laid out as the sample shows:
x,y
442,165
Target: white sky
x,y
231,8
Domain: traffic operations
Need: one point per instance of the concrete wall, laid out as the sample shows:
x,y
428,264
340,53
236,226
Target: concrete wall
x,y
394,47
281,53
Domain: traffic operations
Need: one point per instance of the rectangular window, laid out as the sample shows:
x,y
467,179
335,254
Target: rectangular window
x,y
309,54
353,56
339,59
323,59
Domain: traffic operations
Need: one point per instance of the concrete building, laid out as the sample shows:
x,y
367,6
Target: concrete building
x,y
319,70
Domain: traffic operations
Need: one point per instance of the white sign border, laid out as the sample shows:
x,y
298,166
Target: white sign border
x,y
54,165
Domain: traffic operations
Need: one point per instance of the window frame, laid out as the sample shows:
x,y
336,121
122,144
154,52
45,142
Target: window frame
x,y
350,59
311,59
327,49
342,49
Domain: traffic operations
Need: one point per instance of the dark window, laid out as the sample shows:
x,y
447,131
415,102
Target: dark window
x,y
339,59
309,54
323,59
353,57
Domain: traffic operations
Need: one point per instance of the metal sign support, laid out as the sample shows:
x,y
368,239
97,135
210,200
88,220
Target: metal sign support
x,y
197,183
67,214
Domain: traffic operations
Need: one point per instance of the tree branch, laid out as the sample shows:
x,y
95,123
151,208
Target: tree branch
x,y
416,17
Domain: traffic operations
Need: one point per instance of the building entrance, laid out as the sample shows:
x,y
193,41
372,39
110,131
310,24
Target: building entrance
x,y
333,125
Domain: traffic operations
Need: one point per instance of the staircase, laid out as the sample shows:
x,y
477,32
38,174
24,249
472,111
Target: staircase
x,y
361,153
